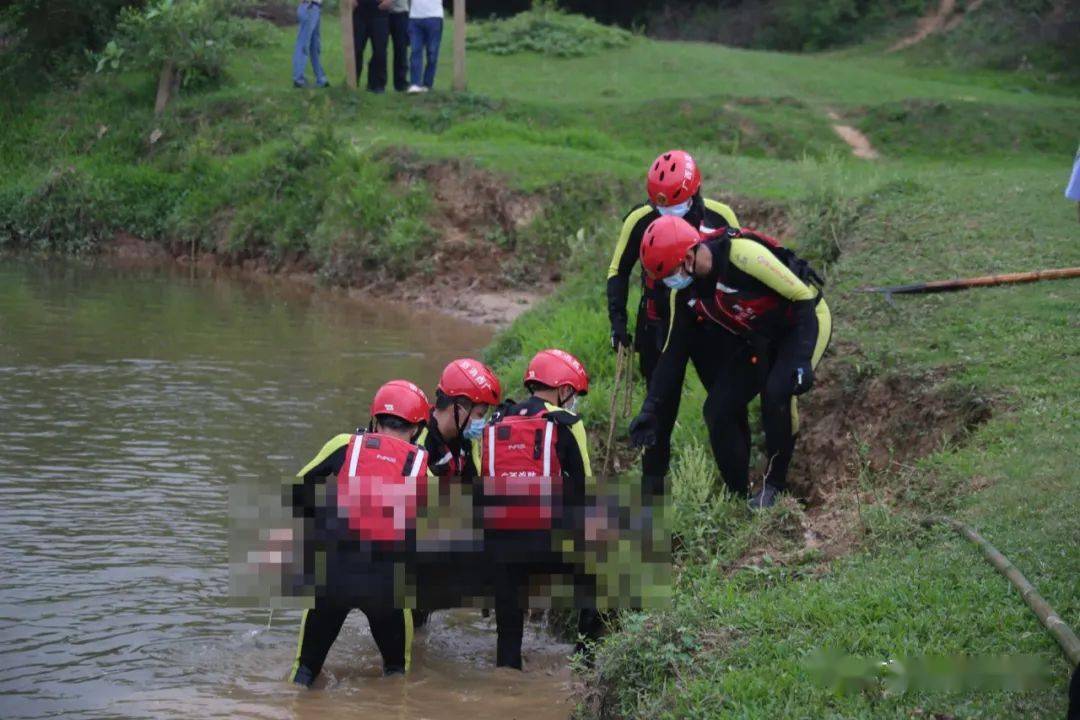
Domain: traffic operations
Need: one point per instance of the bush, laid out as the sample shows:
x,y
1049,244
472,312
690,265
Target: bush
x,y
197,36
53,36
548,31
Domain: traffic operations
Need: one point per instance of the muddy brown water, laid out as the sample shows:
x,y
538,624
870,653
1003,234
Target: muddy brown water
x,y
130,399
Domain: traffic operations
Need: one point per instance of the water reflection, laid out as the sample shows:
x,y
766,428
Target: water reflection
x,y
129,401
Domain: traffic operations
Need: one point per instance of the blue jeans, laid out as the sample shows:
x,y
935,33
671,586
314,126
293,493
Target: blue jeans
x,y
308,44
425,36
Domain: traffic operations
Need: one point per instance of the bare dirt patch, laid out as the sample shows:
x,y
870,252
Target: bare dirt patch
x,y
475,222
858,142
861,432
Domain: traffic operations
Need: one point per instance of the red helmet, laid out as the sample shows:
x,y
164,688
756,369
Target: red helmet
x,y
556,368
664,245
674,178
402,399
471,379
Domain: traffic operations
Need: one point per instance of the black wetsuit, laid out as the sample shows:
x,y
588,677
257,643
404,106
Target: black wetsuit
x,y
788,326
391,628
651,326
516,555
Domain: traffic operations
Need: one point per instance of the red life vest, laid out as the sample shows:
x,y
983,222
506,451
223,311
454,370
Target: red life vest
x,y
380,486
747,312
524,477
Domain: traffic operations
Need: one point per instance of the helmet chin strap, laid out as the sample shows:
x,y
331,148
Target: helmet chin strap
x,y
458,423
563,402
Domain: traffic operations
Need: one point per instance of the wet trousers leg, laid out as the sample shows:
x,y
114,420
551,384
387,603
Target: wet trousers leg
x,y
510,583
321,625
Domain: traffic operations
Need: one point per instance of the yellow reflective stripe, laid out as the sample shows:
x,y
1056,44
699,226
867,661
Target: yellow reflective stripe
x,y
824,331
408,638
422,437
578,431
824,335
759,262
721,209
624,237
671,319
299,645
335,444
477,458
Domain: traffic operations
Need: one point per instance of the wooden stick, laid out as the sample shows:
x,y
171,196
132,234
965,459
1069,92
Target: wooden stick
x,y
629,372
1065,637
460,83
166,87
620,361
348,43
984,281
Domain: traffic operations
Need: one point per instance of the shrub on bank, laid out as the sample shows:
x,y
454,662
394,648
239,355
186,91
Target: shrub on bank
x,y
547,30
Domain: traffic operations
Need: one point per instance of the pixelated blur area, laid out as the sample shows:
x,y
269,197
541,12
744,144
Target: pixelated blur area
x,y
845,674
431,543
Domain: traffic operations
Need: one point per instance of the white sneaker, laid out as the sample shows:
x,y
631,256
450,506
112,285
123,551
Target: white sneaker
x,y
415,89
425,89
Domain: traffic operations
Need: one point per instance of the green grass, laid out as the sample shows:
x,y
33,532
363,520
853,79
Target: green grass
x,y
970,183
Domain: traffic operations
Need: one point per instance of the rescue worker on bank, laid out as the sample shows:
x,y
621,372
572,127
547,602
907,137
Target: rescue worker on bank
x,y
674,188
535,464
467,390
763,294
378,477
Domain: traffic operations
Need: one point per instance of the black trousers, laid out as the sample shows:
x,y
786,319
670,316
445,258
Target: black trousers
x,y
709,346
511,587
371,23
321,625
399,37
739,377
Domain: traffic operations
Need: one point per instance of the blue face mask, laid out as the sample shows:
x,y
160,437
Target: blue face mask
x,y
678,281
475,429
679,210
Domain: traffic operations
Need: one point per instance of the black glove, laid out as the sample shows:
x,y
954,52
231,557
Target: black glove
x,y
803,378
643,430
621,338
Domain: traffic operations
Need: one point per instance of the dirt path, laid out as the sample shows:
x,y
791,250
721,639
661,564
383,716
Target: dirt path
x,y
859,143
946,17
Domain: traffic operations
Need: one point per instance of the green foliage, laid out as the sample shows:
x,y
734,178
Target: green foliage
x,y
52,36
546,30
197,36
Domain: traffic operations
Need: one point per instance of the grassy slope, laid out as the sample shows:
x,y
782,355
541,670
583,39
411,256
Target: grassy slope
x,y
730,645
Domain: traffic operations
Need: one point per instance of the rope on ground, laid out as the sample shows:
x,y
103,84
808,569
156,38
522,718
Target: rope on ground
x,y
1065,637
620,365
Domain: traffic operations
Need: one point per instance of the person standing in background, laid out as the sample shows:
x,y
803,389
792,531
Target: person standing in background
x,y
308,44
1072,190
425,37
371,22
399,38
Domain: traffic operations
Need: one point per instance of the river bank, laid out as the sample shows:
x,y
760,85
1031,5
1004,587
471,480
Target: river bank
x,y
961,404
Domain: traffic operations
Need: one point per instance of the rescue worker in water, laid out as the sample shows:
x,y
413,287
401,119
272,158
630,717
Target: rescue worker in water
x,y
756,290
378,478
534,498
467,391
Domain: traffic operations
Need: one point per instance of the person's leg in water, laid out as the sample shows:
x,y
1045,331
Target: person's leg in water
x,y
392,630
318,630
509,614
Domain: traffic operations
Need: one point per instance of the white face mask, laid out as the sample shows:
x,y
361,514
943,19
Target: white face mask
x,y
571,404
679,210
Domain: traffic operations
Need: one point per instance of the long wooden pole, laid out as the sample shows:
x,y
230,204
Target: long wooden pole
x,y
984,281
348,46
1064,635
460,83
